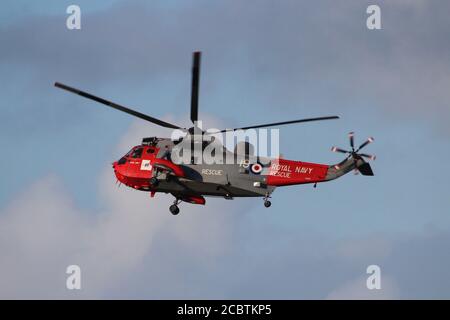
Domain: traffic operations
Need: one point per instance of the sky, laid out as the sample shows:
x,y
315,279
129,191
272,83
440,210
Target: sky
x,y
262,61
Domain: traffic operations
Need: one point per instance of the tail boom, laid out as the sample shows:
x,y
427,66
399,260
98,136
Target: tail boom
x,y
347,165
287,172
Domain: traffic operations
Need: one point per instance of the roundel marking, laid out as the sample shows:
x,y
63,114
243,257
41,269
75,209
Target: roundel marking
x,y
256,168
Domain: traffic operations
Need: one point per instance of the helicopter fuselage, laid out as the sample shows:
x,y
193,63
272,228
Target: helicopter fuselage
x,y
149,167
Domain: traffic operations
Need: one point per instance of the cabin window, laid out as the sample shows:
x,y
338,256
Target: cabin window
x,y
137,153
128,153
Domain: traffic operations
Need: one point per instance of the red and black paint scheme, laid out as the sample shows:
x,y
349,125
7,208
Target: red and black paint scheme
x,y
150,167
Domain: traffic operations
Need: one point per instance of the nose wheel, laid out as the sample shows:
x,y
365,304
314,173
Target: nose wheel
x,y
174,208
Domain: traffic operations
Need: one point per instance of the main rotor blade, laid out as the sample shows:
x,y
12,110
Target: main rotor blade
x,y
369,140
117,106
196,57
282,123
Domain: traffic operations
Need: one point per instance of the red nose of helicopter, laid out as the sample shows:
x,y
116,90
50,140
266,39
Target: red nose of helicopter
x,y
117,171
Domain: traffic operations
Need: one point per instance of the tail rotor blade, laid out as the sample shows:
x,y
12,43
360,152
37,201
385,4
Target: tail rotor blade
x,y
368,156
336,149
360,166
352,142
369,140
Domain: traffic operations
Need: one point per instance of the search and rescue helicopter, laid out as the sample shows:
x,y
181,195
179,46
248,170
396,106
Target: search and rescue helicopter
x,y
151,166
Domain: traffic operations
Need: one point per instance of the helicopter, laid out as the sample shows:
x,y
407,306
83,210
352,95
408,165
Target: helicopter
x,y
154,165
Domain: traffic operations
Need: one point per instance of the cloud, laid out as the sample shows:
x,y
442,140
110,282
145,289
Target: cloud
x,y
133,248
42,231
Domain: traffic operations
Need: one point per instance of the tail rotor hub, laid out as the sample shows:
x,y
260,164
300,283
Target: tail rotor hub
x,y
354,153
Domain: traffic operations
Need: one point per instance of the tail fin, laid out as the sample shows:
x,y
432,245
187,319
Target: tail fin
x,y
364,168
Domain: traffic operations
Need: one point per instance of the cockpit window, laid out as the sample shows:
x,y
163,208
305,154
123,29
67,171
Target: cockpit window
x,y
137,153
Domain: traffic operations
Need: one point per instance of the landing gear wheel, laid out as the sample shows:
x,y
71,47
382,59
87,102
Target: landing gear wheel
x,y
174,209
267,203
154,181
